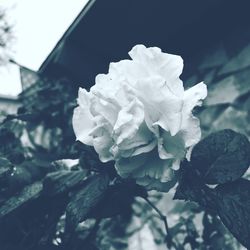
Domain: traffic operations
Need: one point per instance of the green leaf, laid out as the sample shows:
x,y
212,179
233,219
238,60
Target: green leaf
x,y
28,194
221,157
62,181
5,170
84,200
233,207
19,178
28,117
190,186
117,199
4,162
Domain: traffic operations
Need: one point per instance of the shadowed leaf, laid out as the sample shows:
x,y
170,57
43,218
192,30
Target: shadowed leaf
x,y
233,205
61,181
84,200
221,157
29,193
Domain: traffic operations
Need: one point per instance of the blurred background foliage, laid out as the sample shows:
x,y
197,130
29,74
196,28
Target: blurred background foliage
x,y
6,37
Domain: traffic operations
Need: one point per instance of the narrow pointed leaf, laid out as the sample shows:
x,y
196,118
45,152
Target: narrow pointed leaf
x,y
85,199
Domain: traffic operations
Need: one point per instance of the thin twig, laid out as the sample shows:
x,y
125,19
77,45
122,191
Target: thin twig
x,y
164,219
162,216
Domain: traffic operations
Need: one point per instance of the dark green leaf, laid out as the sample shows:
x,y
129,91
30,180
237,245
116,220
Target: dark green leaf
x,y
84,200
117,200
19,178
28,194
192,188
61,181
221,157
5,170
4,162
233,207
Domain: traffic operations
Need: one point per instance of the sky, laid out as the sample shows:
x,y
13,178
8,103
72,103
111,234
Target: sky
x,y
38,25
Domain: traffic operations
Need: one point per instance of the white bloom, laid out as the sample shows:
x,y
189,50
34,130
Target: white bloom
x,y
140,116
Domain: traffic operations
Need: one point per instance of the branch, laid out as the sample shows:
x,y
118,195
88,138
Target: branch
x,y
164,219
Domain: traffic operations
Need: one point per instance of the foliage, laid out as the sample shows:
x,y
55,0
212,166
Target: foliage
x,y
44,204
221,158
6,36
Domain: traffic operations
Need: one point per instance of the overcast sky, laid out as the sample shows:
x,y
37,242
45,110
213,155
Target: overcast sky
x,y
38,25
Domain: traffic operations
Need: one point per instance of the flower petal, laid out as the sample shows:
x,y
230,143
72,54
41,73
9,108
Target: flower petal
x,y
148,170
107,109
190,131
155,167
190,128
82,119
158,63
193,97
128,122
154,184
126,166
102,140
162,107
170,147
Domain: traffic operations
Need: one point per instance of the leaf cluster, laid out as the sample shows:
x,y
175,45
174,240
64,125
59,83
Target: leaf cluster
x,y
220,159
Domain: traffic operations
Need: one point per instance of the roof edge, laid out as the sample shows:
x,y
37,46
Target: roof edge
x,y
9,98
75,22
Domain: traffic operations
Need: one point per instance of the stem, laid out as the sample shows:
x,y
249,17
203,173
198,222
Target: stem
x,y
94,229
163,218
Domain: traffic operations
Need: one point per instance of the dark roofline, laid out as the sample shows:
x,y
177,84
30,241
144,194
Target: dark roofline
x,y
11,60
9,98
74,24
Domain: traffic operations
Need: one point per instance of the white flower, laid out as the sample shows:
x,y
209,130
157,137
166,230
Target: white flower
x,y
140,116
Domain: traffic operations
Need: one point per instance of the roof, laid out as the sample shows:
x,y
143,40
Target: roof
x,y
67,34
106,30
9,98
28,77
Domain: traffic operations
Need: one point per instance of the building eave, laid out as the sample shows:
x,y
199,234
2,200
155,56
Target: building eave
x,y
66,34
9,98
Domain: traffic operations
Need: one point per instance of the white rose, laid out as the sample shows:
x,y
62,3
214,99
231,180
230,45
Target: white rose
x,y
140,116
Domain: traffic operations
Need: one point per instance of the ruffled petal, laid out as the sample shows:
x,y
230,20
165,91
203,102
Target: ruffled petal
x,y
162,107
128,122
82,121
129,71
126,166
154,184
145,165
148,170
170,147
144,148
190,131
156,62
190,128
84,97
193,97
107,88
108,110
102,140
142,137
155,167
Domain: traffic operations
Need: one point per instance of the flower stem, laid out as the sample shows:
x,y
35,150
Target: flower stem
x,y
164,219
